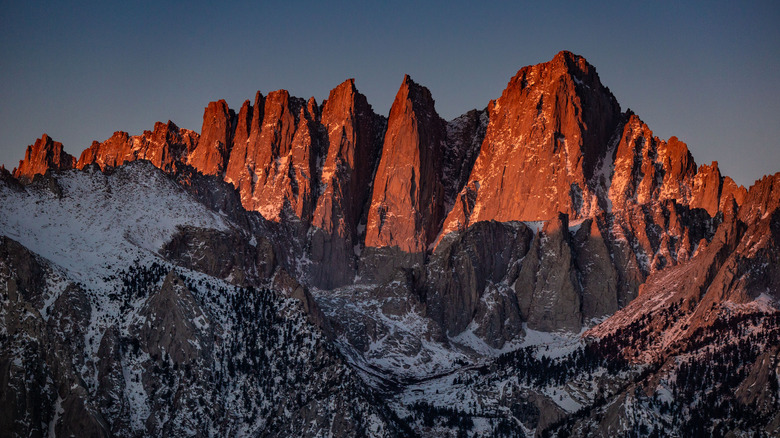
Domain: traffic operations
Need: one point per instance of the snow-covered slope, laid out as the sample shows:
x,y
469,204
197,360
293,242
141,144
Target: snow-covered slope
x,y
104,336
93,223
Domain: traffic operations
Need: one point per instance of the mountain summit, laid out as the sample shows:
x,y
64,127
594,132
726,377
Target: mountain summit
x,y
543,266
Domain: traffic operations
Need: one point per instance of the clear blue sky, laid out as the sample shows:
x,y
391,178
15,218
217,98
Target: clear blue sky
x,y
707,72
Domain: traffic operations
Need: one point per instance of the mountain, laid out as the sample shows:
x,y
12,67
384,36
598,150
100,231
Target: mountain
x,y
41,156
542,266
118,324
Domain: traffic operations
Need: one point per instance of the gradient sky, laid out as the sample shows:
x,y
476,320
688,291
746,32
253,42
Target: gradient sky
x,y
707,72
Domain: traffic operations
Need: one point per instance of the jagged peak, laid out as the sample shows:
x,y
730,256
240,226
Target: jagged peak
x,y
286,102
581,74
413,90
346,87
43,155
345,98
415,97
573,63
215,107
167,126
312,110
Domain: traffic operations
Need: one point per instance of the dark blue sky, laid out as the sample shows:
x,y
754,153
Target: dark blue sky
x,y
705,72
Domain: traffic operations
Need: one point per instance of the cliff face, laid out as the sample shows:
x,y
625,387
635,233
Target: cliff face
x,y
41,156
216,139
648,169
547,132
554,141
285,158
407,203
361,196
443,260
352,151
351,148
166,147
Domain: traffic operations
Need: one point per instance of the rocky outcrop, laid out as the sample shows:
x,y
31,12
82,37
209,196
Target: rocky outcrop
x,y
41,156
598,278
761,200
465,135
706,188
243,155
545,136
166,147
275,167
546,287
407,204
288,286
351,148
172,324
574,274
216,139
464,265
648,169
730,189
226,255
352,152
752,391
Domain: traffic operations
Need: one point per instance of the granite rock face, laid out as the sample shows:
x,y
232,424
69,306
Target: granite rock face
x,y
216,139
550,297
41,156
649,170
407,204
352,143
598,278
283,169
545,136
349,197
466,264
166,147
225,255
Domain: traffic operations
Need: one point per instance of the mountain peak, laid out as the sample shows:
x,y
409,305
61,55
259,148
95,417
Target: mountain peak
x,y
415,93
213,149
547,132
408,199
41,156
572,61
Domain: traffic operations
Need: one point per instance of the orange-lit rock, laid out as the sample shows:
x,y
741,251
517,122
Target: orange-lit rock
x,y
731,189
546,134
216,138
274,165
352,151
407,203
648,169
242,161
41,156
706,188
165,147
352,142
